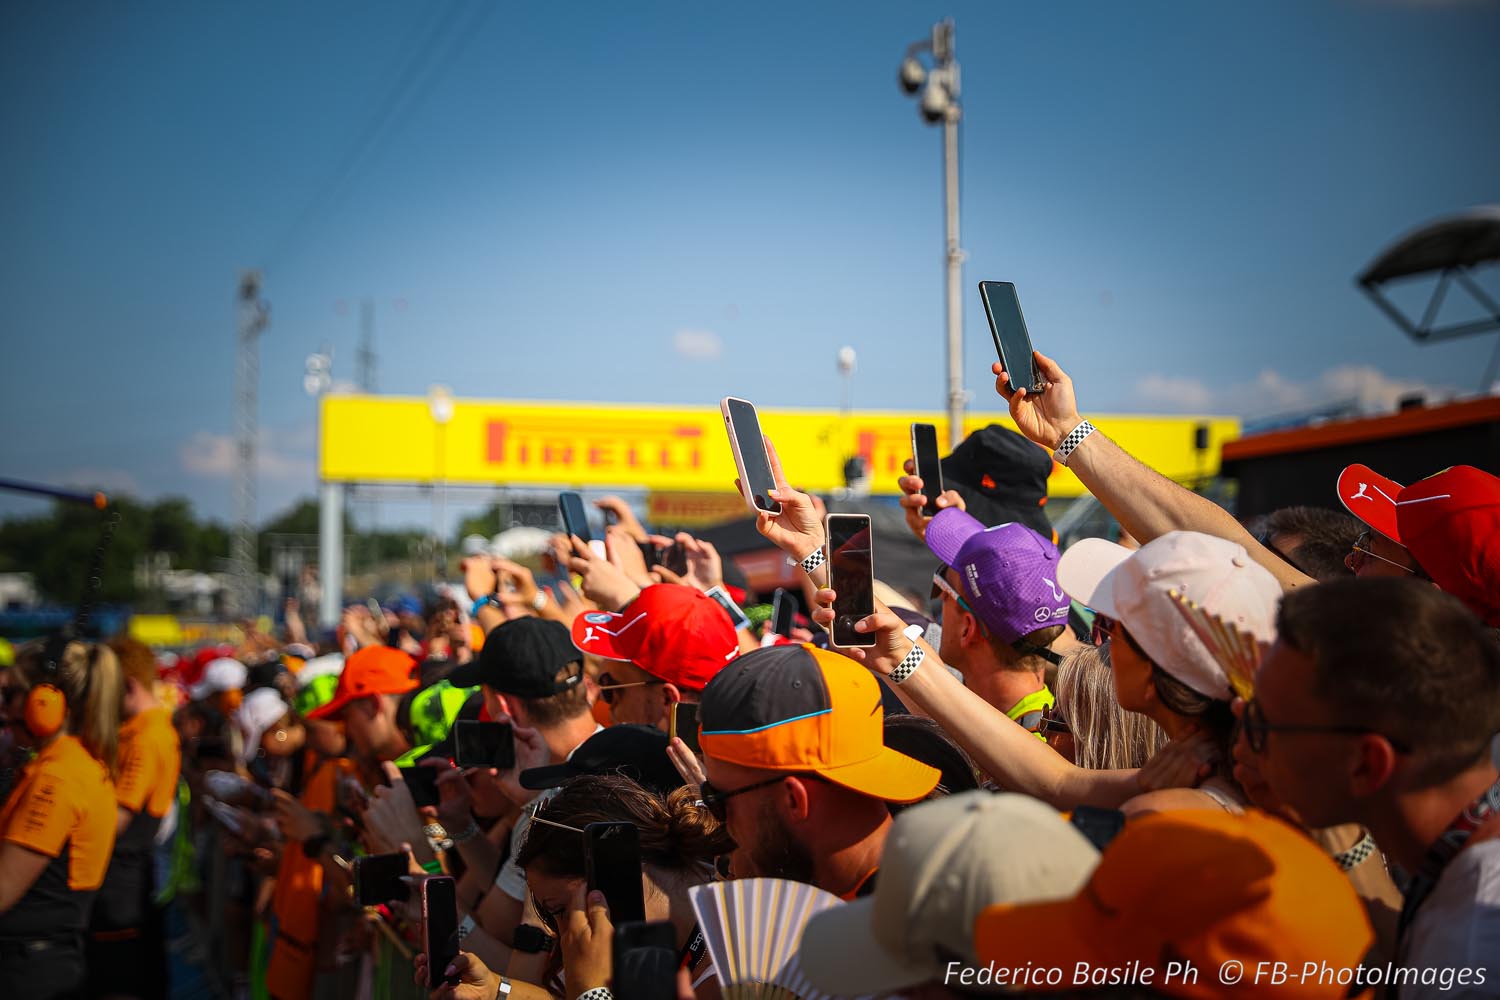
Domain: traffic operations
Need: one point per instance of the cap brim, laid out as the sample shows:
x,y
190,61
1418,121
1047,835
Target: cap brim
x,y
541,778
1086,573
466,675
947,532
594,632
839,954
1056,933
890,775
333,708
1370,497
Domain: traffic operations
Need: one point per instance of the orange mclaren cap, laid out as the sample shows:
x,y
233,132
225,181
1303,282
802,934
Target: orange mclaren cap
x,y
798,708
1201,887
370,671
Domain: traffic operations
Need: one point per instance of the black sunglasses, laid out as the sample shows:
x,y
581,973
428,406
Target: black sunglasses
x,y
1053,722
717,801
1257,726
608,686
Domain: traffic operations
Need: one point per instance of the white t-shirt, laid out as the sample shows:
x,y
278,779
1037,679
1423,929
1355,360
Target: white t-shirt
x,y
511,879
1458,928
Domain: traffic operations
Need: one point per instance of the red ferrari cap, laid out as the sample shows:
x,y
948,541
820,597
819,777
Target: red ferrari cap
x,y
1371,497
1451,524
671,631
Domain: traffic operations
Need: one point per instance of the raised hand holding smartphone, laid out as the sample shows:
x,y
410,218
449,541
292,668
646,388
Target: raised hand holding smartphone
x,y
851,572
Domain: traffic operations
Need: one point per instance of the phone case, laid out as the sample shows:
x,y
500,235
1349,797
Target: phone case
x,y
739,459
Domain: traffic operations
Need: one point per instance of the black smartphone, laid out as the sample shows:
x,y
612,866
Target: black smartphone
x,y
734,611
651,554
851,573
929,468
484,744
1100,826
439,903
612,863
1008,327
684,724
674,558
378,878
574,518
422,783
645,961
750,457
783,612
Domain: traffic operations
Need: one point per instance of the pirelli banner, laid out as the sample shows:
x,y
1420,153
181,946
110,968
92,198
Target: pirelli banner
x,y
393,439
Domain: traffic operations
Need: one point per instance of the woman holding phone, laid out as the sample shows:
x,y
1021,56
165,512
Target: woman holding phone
x,y
57,828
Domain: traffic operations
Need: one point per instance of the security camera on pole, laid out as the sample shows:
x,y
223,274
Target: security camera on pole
x,y
939,105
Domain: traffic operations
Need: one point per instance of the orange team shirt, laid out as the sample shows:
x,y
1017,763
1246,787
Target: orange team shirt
x,y
150,760
63,806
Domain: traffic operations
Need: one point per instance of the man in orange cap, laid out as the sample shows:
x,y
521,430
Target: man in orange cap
x,y
1192,904
368,699
798,770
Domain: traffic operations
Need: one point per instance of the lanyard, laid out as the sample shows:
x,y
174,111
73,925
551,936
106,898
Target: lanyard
x,y
692,954
1444,850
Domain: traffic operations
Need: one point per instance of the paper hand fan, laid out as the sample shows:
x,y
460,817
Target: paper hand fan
x,y
1238,652
753,928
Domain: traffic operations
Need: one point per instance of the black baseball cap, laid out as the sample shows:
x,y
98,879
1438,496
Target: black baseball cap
x,y
1002,477
524,658
637,752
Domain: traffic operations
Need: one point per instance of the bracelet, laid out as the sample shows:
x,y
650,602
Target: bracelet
x,y
487,600
597,993
913,659
433,867
1356,855
468,833
810,562
540,600
465,928
1070,443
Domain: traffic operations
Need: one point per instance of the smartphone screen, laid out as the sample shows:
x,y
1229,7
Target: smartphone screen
x,y
924,456
422,783
851,572
575,520
750,454
612,862
484,744
377,878
684,725
733,610
1008,327
439,926
674,558
783,612
645,961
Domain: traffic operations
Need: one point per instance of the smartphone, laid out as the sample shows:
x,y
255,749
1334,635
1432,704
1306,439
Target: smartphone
x,y
1008,327
612,863
422,783
1100,826
924,458
750,456
851,573
734,611
645,961
674,558
684,724
378,878
783,612
439,903
575,520
484,744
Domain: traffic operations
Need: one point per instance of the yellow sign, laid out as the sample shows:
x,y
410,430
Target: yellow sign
x,y
381,439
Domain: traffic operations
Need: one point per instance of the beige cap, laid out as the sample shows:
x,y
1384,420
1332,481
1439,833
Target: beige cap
x,y
944,862
1135,587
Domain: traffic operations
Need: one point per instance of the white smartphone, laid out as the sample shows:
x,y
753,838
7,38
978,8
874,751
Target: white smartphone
x,y
750,457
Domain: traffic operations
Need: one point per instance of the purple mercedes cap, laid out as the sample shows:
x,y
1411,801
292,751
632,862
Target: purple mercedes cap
x,y
1008,573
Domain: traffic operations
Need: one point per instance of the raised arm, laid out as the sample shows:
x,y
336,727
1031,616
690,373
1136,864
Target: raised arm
x,y
1146,503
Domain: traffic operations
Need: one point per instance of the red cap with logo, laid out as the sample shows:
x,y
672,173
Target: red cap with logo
x,y
670,631
1451,524
1371,497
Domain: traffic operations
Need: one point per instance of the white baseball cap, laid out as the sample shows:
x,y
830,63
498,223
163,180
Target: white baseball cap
x,y
261,710
223,674
1135,588
944,862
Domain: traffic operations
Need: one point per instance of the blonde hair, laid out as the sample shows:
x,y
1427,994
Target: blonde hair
x,y
1106,736
89,676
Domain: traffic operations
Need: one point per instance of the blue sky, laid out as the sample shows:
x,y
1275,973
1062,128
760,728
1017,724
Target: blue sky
x,y
676,202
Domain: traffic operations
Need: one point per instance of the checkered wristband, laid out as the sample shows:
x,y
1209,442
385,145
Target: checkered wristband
x,y
813,561
597,993
908,666
1356,855
1075,438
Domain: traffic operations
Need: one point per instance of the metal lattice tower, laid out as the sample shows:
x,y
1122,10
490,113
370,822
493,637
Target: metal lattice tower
x,y
252,317
364,359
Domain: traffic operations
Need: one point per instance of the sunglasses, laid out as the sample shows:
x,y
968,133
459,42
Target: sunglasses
x,y
1361,550
1103,629
608,685
1257,727
1052,722
716,801
941,586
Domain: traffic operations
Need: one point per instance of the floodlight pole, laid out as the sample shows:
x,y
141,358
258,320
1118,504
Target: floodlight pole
x,y
254,314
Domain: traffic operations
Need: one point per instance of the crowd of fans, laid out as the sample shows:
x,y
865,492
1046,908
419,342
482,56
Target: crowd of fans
x,y
1127,769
